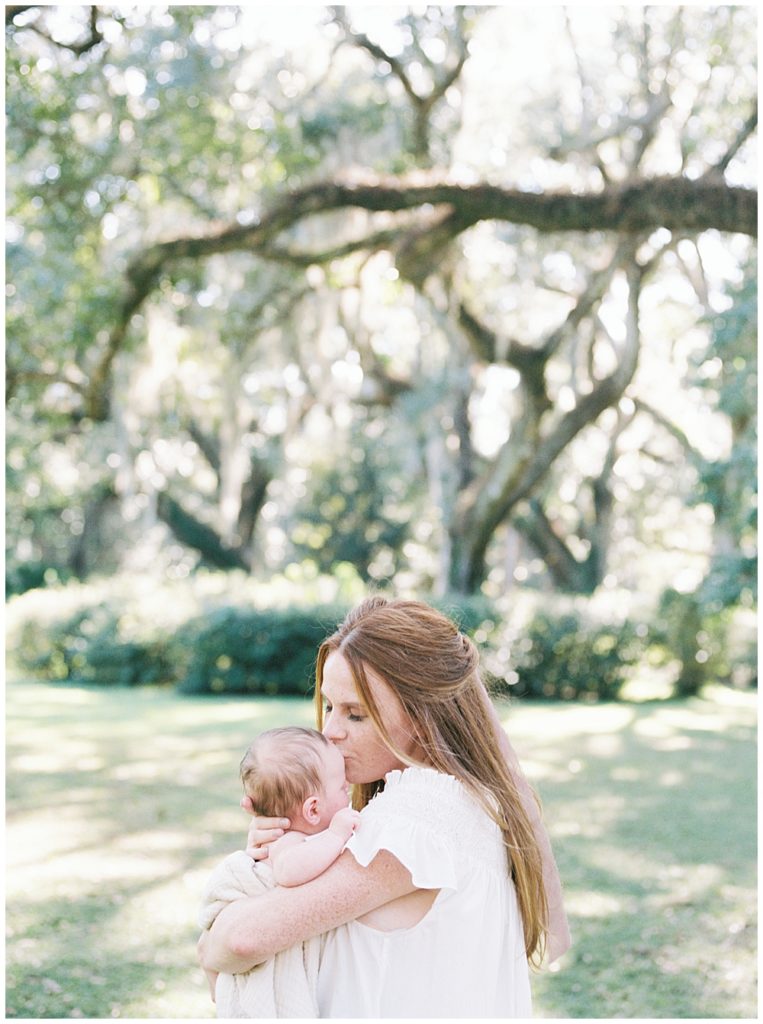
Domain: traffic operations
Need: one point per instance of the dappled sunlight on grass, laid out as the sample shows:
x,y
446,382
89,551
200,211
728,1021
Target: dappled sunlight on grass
x,y
157,840
604,745
559,721
64,758
651,807
541,749
685,884
119,805
687,718
669,728
120,802
229,711
716,695
660,739
589,903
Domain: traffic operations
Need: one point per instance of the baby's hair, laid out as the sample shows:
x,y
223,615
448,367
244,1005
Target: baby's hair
x,y
281,768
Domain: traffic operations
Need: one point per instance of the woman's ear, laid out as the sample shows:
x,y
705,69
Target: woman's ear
x,y
311,810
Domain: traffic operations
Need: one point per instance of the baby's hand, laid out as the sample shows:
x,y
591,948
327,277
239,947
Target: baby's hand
x,y
344,822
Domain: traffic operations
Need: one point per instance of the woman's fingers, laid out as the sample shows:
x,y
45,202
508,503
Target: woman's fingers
x,y
270,824
212,982
263,831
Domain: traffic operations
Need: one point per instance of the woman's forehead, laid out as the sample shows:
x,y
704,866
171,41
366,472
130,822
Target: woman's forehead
x,y
337,682
339,686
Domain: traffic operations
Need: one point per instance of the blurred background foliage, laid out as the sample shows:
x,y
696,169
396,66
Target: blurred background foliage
x,y
236,401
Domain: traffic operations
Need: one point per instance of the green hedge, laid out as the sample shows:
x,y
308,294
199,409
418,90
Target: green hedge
x,y
92,643
271,651
563,657
225,634
552,646
225,650
131,632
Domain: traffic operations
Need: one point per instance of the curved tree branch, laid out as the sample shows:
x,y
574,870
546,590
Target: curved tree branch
x,y
673,203
383,239
693,454
531,360
93,39
363,42
422,103
12,11
743,135
567,571
198,535
523,462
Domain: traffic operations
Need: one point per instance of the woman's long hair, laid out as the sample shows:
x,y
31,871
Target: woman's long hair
x,y
434,670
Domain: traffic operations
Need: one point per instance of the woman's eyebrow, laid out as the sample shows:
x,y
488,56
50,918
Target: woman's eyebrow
x,y
342,703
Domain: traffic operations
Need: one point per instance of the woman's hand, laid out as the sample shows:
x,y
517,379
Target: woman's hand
x,y
210,975
262,831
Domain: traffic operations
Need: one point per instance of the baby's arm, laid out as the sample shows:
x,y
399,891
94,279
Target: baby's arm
x,y
294,860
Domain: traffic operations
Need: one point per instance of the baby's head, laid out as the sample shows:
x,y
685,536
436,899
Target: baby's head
x,y
295,773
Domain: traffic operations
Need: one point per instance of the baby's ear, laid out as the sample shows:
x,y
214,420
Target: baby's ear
x,y
311,811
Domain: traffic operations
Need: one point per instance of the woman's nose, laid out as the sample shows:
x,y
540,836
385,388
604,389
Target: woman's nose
x,y
331,728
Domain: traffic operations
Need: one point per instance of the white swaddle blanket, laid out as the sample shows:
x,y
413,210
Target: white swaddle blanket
x,y
286,985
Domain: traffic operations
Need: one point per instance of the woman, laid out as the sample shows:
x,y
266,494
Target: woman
x,y
439,901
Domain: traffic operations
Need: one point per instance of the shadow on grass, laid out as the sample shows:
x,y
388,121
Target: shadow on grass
x,y
656,845
76,962
121,801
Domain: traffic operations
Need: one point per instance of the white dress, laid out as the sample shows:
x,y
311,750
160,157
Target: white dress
x,y
466,957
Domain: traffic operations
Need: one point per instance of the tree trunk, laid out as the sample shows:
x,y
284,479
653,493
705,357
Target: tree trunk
x,y
253,495
568,573
198,536
528,455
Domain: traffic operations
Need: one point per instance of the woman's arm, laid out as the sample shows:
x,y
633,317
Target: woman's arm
x,y
252,930
558,928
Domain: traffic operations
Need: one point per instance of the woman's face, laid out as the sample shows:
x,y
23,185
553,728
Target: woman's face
x,y
348,725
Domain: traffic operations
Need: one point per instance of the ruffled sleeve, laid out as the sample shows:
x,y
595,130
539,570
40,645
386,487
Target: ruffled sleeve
x,y
428,822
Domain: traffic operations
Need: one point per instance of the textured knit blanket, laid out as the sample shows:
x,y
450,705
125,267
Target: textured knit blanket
x,y
285,986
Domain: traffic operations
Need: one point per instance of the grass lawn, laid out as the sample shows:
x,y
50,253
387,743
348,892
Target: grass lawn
x,y
120,801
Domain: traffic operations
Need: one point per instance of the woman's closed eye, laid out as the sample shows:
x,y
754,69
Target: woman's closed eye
x,y
351,715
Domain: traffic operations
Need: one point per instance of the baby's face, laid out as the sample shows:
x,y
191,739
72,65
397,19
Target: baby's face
x,y
336,789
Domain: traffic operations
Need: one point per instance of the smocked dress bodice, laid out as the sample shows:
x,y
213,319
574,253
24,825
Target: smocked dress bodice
x,y
466,957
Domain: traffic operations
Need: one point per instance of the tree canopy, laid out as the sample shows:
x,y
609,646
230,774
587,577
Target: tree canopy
x,y
462,296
